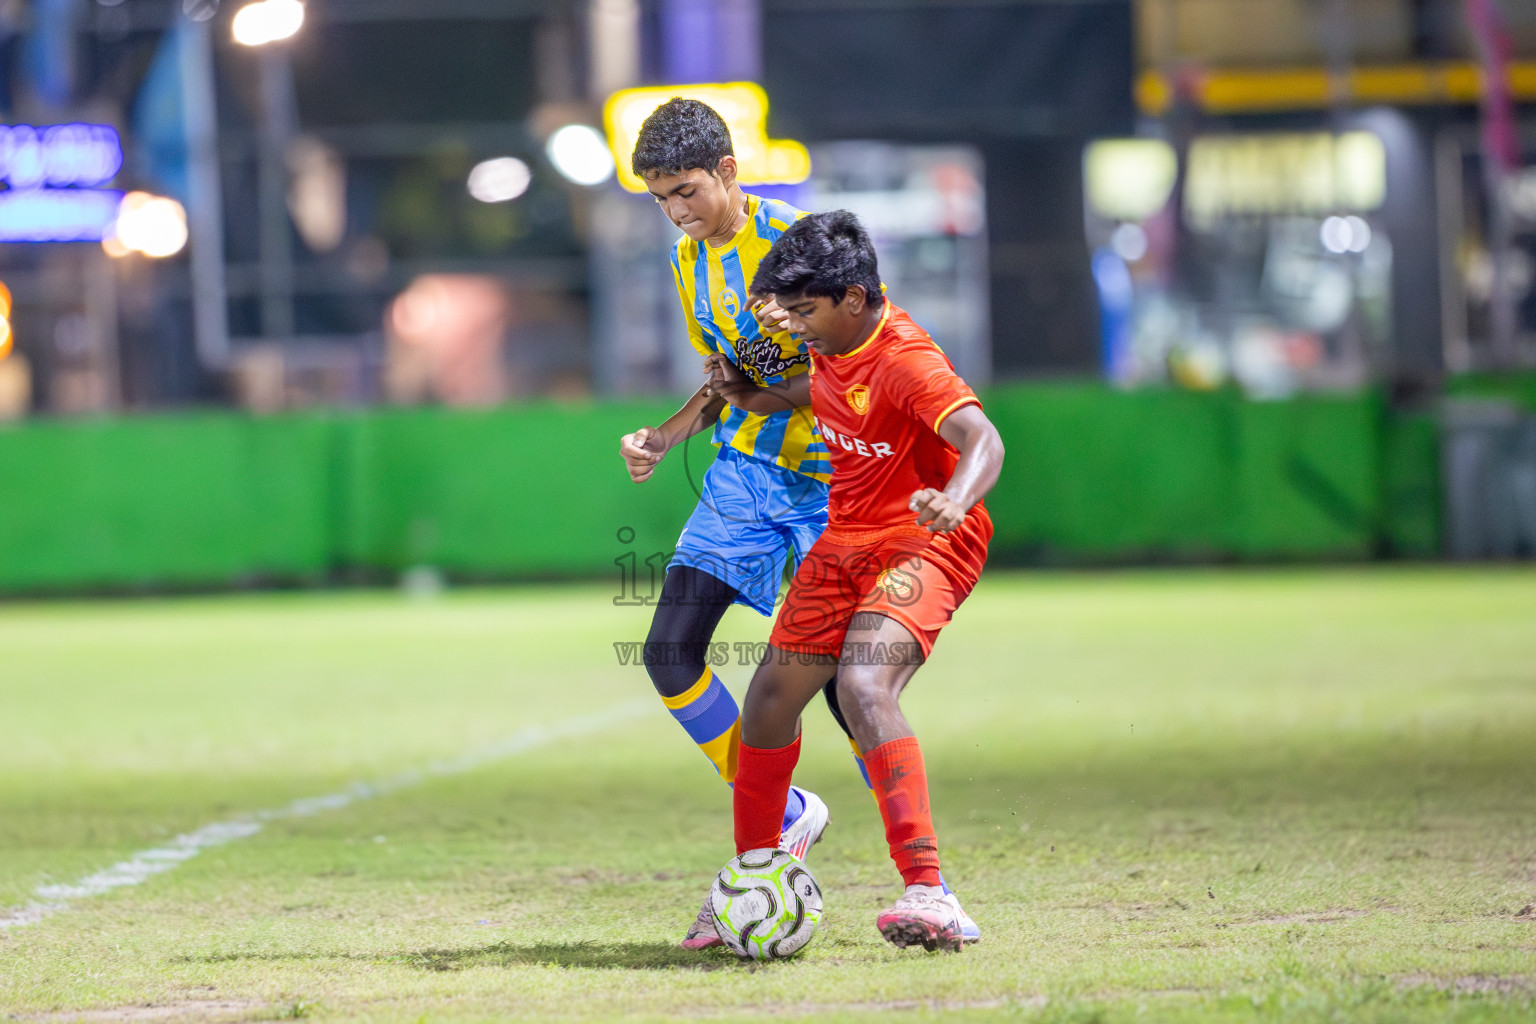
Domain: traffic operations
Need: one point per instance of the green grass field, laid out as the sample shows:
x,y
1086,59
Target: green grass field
x,y
1228,796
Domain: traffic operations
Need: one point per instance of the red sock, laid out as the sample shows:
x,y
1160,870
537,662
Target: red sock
x,y
759,792
901,786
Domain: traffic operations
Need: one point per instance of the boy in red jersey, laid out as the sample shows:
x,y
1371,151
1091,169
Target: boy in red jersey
x,y
906,538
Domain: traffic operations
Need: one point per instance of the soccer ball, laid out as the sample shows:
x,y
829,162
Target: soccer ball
x,y
766,905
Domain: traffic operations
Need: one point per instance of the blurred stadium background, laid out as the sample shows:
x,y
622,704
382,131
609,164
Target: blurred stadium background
x,y
328,291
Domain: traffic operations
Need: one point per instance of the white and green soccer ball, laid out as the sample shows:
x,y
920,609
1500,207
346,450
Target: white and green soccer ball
x,y
766,904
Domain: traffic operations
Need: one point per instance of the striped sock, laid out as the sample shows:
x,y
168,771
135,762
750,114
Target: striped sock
x,y
707,711
858,759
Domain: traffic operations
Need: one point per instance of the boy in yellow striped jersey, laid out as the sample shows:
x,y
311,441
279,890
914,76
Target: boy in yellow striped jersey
x,y
765,497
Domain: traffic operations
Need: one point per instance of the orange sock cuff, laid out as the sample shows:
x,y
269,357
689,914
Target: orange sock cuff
x,y
900,782
757,798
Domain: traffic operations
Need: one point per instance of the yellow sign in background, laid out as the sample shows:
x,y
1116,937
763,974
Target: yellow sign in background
x,y
6,338
744,106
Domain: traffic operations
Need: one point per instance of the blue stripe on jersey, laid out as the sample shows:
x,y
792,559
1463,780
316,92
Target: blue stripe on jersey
x,y
746,323
701,305
716,340
809,466
726,428
770,437
774,209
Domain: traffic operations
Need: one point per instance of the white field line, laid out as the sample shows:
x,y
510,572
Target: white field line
x,y
52,899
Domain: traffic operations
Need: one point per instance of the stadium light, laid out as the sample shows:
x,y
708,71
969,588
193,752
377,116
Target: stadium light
x,y
1129,242
1129,179
499,180
153,225
112,245
1359,233
1345,234
267,21
580,152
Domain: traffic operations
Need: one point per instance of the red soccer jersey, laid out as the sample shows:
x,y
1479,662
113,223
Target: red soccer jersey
x,y
879,408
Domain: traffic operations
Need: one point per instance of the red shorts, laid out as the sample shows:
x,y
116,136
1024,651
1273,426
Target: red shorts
x,y
910,575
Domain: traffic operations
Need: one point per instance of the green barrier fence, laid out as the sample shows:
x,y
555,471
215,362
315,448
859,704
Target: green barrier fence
x,y
1092,475
1518,389
515,492
172,501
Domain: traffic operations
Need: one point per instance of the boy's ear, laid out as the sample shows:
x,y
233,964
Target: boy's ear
x,y
854,295
726,170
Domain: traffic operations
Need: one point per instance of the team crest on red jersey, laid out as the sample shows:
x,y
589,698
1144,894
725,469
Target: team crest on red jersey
x,y
858,397
898,583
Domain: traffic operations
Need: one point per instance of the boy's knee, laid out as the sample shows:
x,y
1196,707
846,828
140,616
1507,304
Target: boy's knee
x,y
862,685
672,666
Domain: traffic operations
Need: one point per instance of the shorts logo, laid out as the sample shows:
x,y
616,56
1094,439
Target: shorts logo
x,y
858,397
730,302
897,582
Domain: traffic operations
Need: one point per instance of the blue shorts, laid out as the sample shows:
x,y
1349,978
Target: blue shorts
x,y
751,515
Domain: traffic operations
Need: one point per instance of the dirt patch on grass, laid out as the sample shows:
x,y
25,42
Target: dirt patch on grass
x,y
1472,984
199,1010
794,1010
1323,917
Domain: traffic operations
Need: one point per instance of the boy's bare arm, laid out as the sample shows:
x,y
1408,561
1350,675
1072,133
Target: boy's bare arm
x,y
981,460
727,381
646,447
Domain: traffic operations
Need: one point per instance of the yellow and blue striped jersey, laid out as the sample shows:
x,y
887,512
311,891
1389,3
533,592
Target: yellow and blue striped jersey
x,y
713,284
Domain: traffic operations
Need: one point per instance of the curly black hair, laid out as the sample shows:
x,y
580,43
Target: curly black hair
x,y
681,134
822,254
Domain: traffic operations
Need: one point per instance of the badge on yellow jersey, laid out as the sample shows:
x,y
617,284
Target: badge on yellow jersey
x,y
730,303
858,397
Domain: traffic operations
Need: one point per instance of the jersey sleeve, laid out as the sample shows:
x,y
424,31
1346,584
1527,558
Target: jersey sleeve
x,y
695,330
924,386
777,217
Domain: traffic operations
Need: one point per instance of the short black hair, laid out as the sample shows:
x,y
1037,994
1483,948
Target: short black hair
x,y
822,254
680,135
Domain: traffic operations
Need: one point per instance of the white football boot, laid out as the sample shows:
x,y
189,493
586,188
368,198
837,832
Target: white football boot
x,y
969,931
805,831
925,916
802,834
